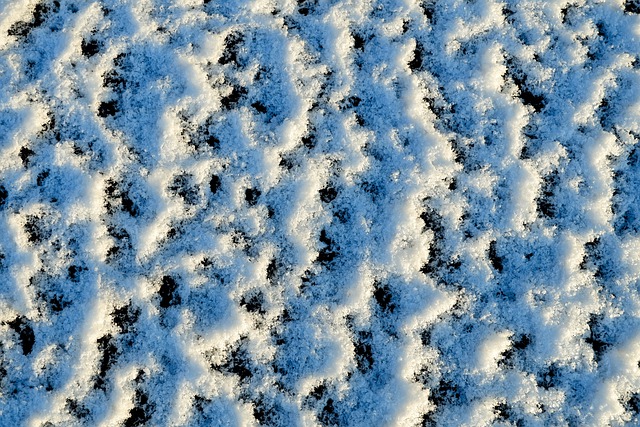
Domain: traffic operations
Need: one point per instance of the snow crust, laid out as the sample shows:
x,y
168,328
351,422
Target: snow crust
x,y
319,212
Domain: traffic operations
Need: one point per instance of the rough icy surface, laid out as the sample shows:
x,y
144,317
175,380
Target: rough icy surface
x,y
319,212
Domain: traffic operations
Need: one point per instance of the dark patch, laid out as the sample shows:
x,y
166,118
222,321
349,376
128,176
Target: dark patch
x,y
633,404
309,141
253,303
549,378
416,63
598,345
22,29
78,410
545,203
128,205
213,142
231,101
125,317
214,184
328,252
496,261
328,194
318,392
526,95
383,297
89,48
237,363
445,393
328,415
108,108
108,358
632,7
358,41
502,411
364,353
251,195
25,333
429,9
183,187
433,221
167,292
272,271
25,154
232,44
42,176
4,194
259,107
74,271
36,233
113,80
522,343
142,411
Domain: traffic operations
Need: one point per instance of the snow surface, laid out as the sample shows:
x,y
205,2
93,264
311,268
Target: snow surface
x,y
319,212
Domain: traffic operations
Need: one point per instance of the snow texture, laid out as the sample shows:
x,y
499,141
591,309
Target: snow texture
x,y
319,212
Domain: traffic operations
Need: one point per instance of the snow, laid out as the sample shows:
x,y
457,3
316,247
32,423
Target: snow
x,y
319,212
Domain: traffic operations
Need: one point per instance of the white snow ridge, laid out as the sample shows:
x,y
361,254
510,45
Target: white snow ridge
x,y
319,213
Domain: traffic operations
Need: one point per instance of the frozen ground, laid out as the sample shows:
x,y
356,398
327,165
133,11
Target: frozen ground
x,y
319,212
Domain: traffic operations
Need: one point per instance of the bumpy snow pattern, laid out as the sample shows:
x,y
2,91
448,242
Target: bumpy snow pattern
x,y
319,212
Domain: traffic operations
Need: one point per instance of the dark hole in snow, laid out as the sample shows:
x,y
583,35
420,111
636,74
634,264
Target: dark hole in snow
x,y
25,333
309,141
142,411
109,354
113,80
78,410
232,43
328,252
364,353
253,303
125,317
383,297
251,195
598,345
358,41
328,194
445,393
237,93
259,107
25,154
42,176
502,411
22,29
416,63
272,271
89,48
183,187
108,108
632,6
496,261
428,9
328,415
214,184
548,378
545,203
167,292
633,404
213,142
4,194
36,233
237,363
